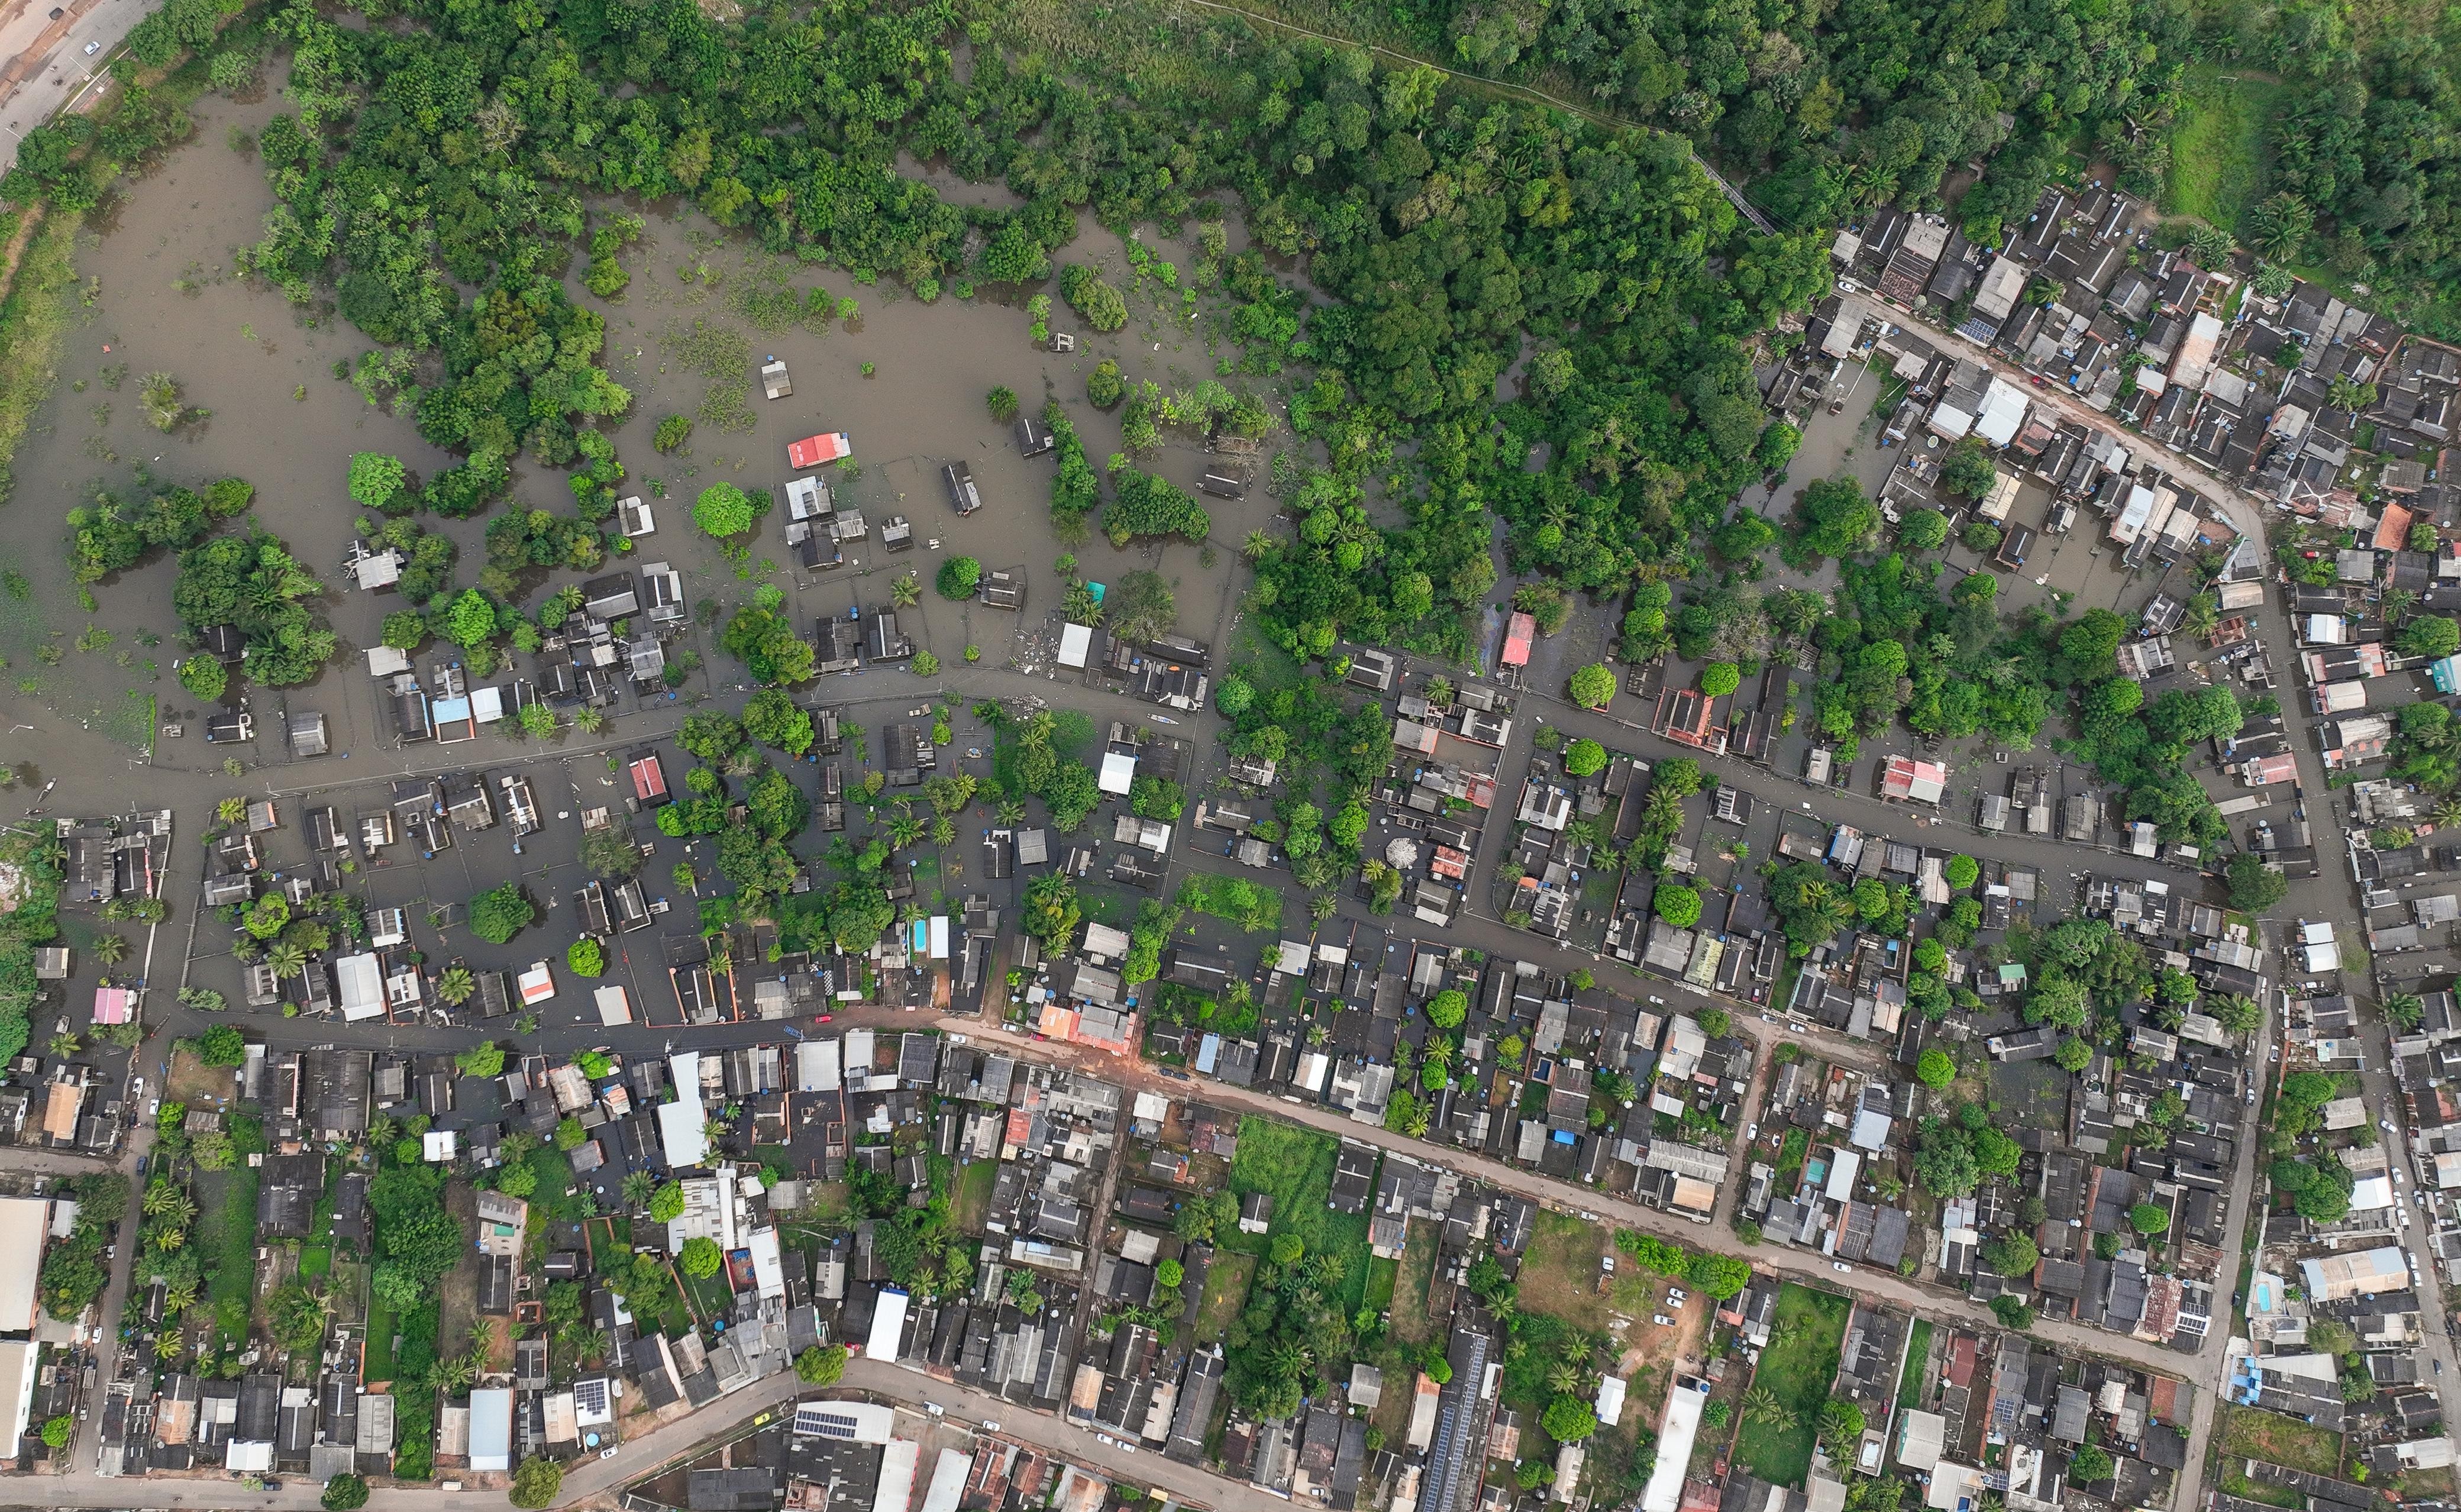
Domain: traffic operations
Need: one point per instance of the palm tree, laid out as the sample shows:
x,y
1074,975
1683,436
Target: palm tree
x,y
110,948
159,1198
904,830
637,1187
590,719
454,988
2448,811
170,1239
1760,1402
167,1348
178,1298
906,590
1416,1125
1563,1379
66,1045
1012,811
286,959
1256,545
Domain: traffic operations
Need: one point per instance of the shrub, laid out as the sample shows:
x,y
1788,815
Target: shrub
x,y
924,665
1678,904
538,1484
673,432
376,480
667,1203
724,510
222,1046
1001,401
1583,758
345,1493
1103,386
1090,296
821,1367
1936,1069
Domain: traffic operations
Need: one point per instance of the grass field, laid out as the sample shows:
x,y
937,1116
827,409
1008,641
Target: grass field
x,y
2221,161
1294,1165
1911,1381
974,1195
1560,1273
226,1200
1411,1324
1798,1366
2251,1433
1226,1292
1381,1276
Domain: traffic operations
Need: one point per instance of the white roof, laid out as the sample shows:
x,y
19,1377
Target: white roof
x,y
17,1382
894,1491
437,1144
361,980
1610,1399
768,1267
613,1006
1665,1489
947,1480
887,1326
1842,1174
383,661
537,984
1118,771
2370,1194
491,1429
682,1123
2003,411
23,1222
1076,645
816,1066
486,704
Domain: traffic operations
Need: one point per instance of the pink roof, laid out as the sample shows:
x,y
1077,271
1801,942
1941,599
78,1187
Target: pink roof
x,y
649,778
112,1005
814,450
1517,632
2272,769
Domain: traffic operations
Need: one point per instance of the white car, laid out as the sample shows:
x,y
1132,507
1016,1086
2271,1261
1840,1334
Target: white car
x,y
989,1427
1677,1296
1841,1268
1661,1320
1752,1132
608,1452
1606,1263
92,47
2384,1124
1105,1438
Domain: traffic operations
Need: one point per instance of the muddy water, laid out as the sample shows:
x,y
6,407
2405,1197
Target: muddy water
x,y
160,295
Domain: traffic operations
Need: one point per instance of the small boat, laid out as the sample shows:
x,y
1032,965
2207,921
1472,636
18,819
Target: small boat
x,y
1164,719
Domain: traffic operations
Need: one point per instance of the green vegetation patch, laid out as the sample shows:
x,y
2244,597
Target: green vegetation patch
x,y
1294,1166
974,1195
1796,1370
2250,1432
1560,1274
1909,1383
2221,162
1226,1291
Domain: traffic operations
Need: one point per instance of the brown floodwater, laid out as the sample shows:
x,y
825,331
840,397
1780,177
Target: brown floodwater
x,y
159,293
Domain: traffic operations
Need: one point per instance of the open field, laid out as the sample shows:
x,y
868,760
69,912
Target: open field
x,y
1912,1382
1226,1292
2220,156
1797,1367
2251,1434
1560,1273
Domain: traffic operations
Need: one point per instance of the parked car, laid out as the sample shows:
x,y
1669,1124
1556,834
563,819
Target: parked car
x,y
1677,1296
1661,1319
1606,1263
609,1453
1841,1268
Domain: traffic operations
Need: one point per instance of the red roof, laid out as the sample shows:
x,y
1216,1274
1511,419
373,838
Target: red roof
x,y
649,778
1516,639
813,450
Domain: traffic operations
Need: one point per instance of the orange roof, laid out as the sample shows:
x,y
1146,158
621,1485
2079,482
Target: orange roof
x,y
2392,531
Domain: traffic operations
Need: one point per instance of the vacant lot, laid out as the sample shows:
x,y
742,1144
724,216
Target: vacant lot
x,y
974,1195
1294,1166
1412,1323
1913,1384
1796,1369
2253,1434
2220,145
1226,1291
1560,1273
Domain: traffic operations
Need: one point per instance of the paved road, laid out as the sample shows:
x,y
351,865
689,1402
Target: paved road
x,y
48,68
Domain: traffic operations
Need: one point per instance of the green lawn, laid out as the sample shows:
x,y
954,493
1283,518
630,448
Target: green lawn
x,y
1381,1274
974,1195
1295,1166
1911,1382
1798,1366
226,1201
2221,159
315,1260
380,1332
1226,1292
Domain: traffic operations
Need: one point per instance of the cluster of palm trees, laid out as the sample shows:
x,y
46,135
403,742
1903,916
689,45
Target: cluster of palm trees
x,y
170,1212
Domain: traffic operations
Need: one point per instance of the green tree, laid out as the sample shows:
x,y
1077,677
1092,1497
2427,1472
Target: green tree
x,y
538,1484
1001,402
2088,1465
1963,872
1569,1419
1923,530
671,434
723,510
818,1366
376,480
203,677
958,579
1718,679
345,1493
1678,904
701,1258
1594,686
1936,1069
485,1059
2074,1054
1447,1009
667,1203
2012,1254
1582,757
1286,1249
222,1046
57,1431
1967,469
2430,635
2149,1219
1832,518
2012,1312
501,912
585,956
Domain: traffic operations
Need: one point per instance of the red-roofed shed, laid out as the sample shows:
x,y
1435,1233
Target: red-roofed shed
x,y
1517,635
